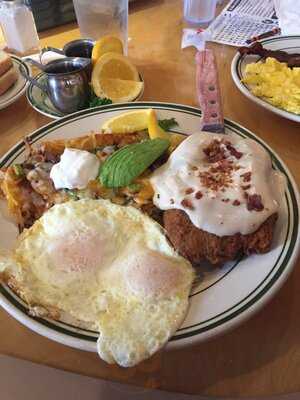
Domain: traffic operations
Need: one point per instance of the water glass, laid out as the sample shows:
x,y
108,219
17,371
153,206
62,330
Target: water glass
x,y
199,11
97,18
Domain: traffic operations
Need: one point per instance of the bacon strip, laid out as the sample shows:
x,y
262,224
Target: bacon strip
x,y
292,59
208,92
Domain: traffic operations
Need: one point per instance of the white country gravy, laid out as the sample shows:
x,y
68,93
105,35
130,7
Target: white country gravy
x,y
224,183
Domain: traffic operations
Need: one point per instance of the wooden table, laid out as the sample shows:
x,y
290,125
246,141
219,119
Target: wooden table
x,y
262,356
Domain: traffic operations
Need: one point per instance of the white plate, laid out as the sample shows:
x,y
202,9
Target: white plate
x,y
221,298
290,44
19,87
40,101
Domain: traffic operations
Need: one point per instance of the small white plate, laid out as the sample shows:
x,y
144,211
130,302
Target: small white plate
x,y
290,44
41,102
19,87
221,297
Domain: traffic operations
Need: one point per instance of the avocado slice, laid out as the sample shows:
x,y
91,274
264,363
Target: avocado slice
x,y
127,163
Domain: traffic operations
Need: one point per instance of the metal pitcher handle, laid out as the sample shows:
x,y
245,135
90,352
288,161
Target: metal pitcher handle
x,y
49,48
30,79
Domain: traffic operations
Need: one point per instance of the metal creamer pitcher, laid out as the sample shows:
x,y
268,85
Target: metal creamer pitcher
x,y
67,83
76,48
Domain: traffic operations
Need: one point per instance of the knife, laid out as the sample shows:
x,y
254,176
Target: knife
x,y
208,92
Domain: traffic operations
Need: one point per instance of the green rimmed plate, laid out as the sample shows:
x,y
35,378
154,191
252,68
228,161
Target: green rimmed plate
x,y
41,102
18,88
221,298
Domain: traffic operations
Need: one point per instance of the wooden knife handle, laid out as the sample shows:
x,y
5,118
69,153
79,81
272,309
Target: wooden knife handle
x,y
208,92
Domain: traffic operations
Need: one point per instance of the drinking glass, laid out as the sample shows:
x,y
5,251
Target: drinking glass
x,y
199,11
97,18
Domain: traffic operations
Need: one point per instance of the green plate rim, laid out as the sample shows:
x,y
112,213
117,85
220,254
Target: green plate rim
x,y
19,93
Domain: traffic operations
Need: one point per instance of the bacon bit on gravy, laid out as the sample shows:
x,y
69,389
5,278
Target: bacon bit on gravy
x,y
232,150
246,187
216,150
246,176
198,195
186,203
189,191
216,178
254,202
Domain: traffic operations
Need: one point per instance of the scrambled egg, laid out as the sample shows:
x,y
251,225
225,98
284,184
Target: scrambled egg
x,y
276,83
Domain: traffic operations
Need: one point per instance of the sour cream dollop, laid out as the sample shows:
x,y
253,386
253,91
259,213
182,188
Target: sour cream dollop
x,y
75,169
225,184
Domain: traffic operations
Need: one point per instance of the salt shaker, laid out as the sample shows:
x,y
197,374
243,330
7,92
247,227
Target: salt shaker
x,y
18,26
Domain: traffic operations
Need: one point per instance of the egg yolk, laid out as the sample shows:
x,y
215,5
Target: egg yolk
x,y
78,251
150,273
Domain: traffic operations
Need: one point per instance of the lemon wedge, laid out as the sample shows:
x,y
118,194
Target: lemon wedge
x,y
107,44
132,121
155,131
140,120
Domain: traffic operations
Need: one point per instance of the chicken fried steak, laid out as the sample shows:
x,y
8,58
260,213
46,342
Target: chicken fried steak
x,y
198,245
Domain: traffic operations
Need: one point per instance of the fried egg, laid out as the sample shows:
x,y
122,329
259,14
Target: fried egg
x,y
109,268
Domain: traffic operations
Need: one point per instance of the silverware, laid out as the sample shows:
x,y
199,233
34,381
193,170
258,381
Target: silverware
x,y
67,83
208,92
